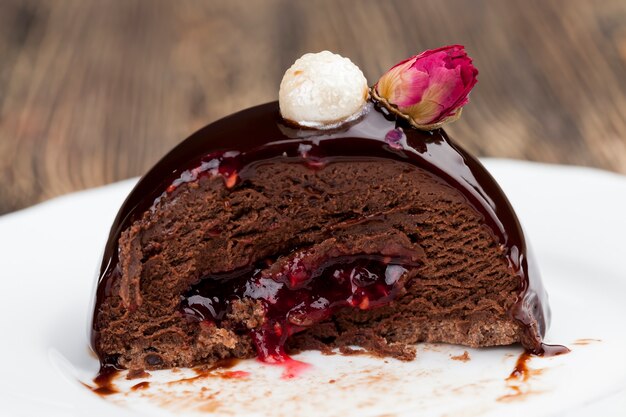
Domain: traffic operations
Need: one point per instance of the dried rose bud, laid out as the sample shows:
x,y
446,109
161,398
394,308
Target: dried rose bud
x,y
428,89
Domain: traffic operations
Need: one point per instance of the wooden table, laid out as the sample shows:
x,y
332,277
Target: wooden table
x,y
92,92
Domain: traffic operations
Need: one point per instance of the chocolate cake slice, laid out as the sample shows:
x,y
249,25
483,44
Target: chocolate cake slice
x,y
258,237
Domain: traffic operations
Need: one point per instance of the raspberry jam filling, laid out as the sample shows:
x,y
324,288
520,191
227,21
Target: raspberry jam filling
x,y
296,294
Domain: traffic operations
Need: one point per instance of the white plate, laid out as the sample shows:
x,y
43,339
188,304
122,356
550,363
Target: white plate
x,y
574,218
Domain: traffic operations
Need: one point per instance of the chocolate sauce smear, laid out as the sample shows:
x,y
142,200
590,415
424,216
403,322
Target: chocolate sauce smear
x,y
104,381
518,380
521,371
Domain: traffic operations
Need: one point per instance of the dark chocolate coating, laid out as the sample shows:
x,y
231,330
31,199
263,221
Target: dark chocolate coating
x,y
259,134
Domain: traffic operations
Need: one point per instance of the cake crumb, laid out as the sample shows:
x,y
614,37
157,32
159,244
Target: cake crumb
x,y
141,385
465,357
137,373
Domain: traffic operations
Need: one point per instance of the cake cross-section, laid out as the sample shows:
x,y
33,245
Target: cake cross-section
x,y
259,237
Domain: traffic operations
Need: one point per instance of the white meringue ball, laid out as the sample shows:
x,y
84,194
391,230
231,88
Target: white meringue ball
x,y
322,90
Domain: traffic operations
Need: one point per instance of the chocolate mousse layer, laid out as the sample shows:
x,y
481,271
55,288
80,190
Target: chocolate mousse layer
x,y
255,238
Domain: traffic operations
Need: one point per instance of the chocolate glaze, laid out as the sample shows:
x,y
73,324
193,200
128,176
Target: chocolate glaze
x,y
234,145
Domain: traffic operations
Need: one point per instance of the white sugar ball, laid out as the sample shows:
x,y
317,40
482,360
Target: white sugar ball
x,y
322,90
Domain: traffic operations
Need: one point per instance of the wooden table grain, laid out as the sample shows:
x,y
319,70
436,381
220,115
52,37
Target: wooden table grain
x,y
92,92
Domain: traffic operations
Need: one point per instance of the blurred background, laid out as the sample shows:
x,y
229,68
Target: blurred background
x,y
92,92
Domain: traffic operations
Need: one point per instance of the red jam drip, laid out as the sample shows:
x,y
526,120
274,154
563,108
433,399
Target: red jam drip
x,y
295,298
